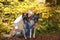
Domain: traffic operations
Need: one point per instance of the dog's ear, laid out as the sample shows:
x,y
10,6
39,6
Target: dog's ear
x,y
38,15
27,15
34,13
22,14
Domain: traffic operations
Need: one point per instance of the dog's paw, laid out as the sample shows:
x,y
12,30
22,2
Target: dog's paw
x,y
30,36
33,36
25,37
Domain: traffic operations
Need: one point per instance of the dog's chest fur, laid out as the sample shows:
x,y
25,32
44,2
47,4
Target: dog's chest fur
x,y
21,25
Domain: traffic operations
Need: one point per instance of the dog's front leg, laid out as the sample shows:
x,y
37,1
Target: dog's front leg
x,y
30,33
34,30
24,34
34,33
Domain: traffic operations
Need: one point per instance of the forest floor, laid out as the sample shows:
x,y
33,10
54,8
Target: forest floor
x,y
40,37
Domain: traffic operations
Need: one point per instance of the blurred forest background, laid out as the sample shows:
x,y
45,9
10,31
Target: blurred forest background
x,y
48,23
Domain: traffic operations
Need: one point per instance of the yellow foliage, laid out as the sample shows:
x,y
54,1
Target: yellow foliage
x,y
45,15
15,8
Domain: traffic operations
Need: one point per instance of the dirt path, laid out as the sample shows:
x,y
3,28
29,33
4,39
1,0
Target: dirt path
x,y
40,37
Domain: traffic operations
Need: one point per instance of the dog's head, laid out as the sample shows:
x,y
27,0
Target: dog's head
x,y
35,17
25,16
